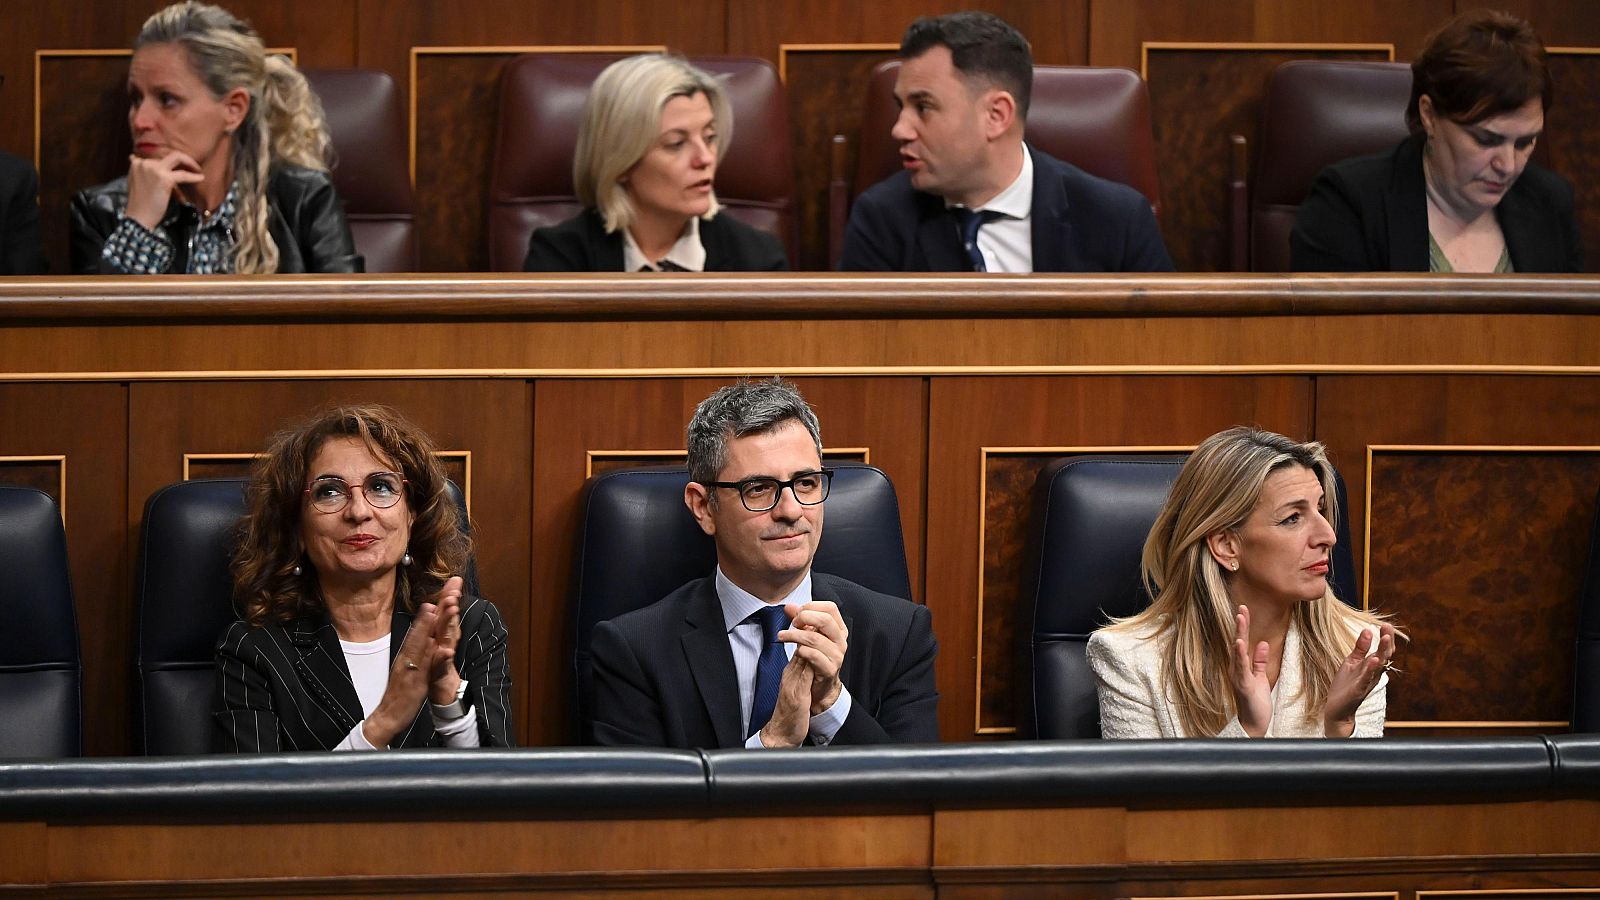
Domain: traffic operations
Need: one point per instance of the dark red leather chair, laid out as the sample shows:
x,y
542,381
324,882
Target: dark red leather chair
x,y
370,172
1316,113
1097,119
541,105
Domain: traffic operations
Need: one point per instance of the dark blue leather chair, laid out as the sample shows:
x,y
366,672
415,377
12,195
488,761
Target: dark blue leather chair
x,y
1586,662
1092,515
40,675
639,543
184,595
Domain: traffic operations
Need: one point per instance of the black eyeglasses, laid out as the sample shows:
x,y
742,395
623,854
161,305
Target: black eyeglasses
x,y
331,495
761,494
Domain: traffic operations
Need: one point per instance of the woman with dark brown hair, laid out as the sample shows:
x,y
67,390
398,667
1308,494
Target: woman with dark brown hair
x,y
1460,194
356,634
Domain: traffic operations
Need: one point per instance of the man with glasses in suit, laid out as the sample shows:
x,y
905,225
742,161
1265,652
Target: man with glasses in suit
x,y
763,652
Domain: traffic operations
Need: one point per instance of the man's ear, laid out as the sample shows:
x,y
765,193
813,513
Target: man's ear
x,y
697,497
1224,547
999,113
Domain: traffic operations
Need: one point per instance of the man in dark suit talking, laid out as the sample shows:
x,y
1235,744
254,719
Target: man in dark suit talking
x,y
763,652
972,195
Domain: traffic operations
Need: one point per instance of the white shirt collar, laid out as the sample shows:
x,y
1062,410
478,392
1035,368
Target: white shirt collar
x,y
688,253
739,604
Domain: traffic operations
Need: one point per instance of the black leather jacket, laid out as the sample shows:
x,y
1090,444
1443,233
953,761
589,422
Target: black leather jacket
x,y
306,220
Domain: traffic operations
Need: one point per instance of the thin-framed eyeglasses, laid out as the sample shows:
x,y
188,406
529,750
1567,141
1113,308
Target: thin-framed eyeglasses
x,y
761,494
331,494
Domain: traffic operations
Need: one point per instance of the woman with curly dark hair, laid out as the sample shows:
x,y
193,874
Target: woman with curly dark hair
x,y
356,634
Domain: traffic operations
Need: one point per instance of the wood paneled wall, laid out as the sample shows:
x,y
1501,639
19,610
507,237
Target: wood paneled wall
x,y
1480,455
1202,94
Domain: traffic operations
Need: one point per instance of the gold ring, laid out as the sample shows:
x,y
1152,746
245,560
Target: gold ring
x,y
411,665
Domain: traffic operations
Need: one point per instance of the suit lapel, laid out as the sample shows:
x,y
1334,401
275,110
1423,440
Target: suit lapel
x,y
319,662
705,646
821,592
1053,241
1407,204
937,239
606,249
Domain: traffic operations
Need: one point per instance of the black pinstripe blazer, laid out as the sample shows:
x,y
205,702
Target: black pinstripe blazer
x,y
286,687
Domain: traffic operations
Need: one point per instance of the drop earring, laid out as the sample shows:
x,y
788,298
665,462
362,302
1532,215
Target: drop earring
x,y
406,560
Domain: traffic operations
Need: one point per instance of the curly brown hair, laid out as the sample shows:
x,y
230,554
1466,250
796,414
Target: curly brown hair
x,y
265,585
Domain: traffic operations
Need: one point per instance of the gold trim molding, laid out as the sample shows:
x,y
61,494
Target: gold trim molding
x,y
785,49
61,476
1264,46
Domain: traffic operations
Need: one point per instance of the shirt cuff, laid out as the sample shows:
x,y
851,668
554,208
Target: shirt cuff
x,y
355,740
462,731
137,250
826,724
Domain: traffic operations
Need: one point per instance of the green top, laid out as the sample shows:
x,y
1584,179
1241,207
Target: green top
x,y
1438,262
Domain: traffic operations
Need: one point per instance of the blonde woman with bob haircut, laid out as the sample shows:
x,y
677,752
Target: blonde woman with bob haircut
x,y
1245,637
654,129
229,172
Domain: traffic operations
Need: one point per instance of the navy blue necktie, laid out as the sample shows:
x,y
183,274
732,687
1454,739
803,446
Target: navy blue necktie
x,y
970,222
769,667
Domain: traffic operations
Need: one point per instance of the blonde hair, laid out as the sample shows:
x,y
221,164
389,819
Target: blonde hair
x,y
284,123
1217,490
622,121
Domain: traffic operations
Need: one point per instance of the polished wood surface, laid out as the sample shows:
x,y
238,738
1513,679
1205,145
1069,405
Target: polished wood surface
x,y
959,387
1158,848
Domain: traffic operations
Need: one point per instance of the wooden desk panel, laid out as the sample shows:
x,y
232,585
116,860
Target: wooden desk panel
x,y
530,372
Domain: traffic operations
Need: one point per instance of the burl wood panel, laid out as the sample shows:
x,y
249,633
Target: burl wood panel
x,y
457,109
1354,411
1572,139
826,91
490,419
970,413
83,138
82,423
1197,99
571,418
1480,556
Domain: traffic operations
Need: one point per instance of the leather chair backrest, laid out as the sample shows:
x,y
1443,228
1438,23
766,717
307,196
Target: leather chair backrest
x,y
638,543
1097,119
40,674
1586,662
1092,516
370,170
1315,114
542,97
184,595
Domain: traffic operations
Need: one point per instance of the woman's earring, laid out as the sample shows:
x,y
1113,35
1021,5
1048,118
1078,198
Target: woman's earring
x,y
1234,565
297,570
406,560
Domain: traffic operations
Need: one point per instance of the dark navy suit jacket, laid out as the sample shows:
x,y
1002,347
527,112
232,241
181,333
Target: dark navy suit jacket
x,y
21,249
664,674
1080,223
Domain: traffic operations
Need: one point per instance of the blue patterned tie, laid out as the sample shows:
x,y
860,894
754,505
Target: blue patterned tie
x,y
970,222
769,668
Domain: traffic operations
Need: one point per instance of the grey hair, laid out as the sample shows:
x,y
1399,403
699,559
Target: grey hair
x,y
743,408
622,121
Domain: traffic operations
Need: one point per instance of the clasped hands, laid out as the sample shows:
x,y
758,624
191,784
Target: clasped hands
x,y
810,683
422,668
1355,678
